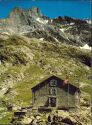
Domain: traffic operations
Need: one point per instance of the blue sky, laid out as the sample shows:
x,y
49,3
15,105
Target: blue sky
x,y
51,8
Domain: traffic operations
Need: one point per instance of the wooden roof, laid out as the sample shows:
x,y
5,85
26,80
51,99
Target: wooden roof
x,y
67,87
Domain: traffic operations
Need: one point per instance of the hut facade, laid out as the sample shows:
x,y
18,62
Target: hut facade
x,y
55,92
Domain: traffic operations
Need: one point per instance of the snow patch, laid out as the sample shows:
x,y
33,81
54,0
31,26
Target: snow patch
x,y
51,21
89,21
86,46
41,39
62,30
42,21
71,24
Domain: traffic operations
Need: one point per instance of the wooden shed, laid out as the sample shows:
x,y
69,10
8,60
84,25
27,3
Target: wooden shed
x,y
55,92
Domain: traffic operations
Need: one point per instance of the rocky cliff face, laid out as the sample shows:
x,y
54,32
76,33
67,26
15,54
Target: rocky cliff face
x,y
33,23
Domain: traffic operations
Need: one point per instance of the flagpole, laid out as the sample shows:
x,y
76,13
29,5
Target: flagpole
x,y
91,109
68,94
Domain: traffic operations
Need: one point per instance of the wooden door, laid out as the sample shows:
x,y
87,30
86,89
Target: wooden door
x,y
52,101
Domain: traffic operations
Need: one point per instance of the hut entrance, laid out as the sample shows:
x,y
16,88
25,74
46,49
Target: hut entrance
x,y
52,101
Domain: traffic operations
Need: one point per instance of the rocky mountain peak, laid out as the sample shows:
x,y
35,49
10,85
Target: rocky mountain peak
x,y
32,23
34,12
16,10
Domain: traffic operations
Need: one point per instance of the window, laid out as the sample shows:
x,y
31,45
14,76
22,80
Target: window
x,y
53,91
53,83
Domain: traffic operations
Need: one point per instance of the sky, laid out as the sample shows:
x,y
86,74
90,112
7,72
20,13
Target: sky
x,y
51,8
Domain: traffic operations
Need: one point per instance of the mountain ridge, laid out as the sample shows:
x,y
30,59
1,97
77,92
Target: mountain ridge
x,y
32,23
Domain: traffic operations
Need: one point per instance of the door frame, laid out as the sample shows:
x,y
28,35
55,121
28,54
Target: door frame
x,y
50,101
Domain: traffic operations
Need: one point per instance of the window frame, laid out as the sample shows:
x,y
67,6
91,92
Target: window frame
x,y
53,83
53,91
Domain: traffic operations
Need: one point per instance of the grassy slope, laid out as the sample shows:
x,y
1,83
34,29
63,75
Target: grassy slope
x,y
25,62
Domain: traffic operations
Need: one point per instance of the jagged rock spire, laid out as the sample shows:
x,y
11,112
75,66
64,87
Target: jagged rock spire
x,y
34,11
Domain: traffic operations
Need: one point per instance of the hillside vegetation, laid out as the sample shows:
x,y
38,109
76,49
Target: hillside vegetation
x,y
24,62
